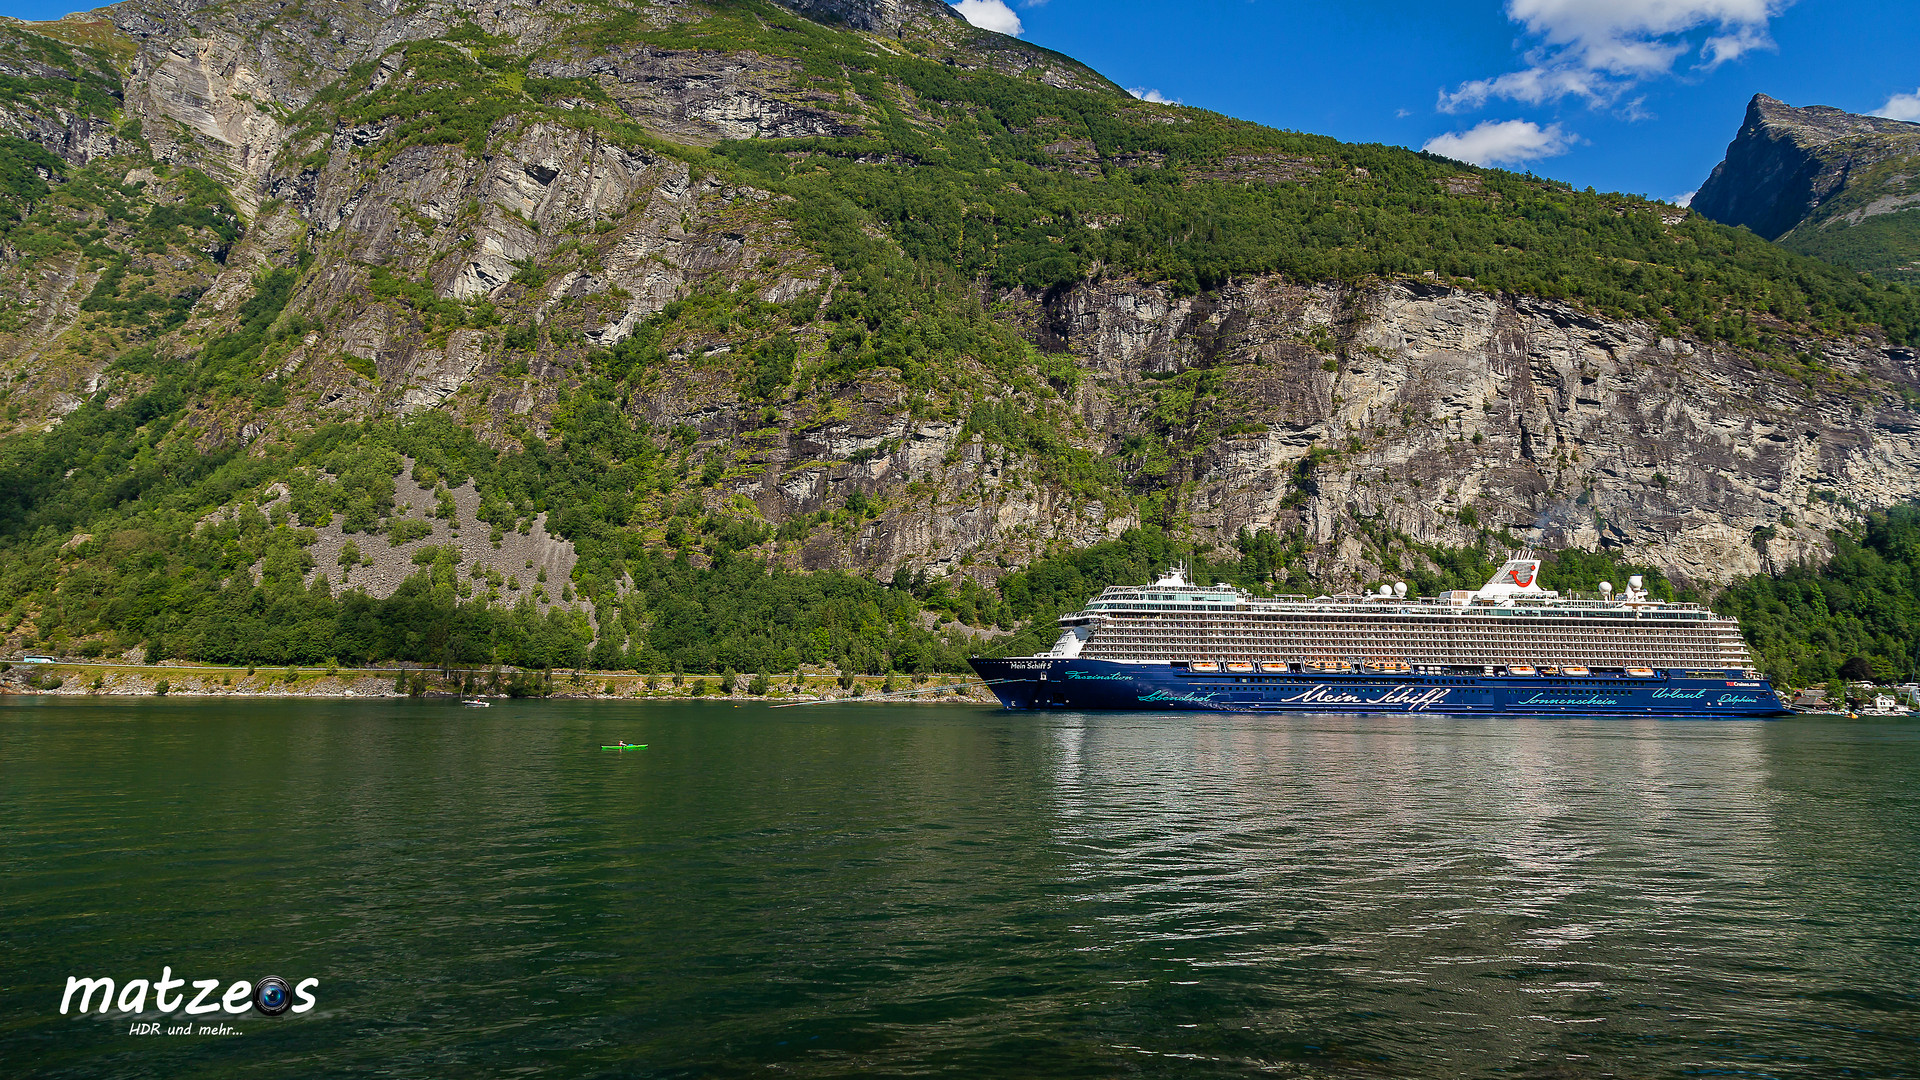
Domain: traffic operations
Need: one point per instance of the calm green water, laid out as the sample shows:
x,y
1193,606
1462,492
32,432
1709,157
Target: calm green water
x,y
899,891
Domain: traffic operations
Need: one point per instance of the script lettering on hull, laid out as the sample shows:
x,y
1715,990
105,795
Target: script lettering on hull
x,y
1414,698
1187,696
1569,699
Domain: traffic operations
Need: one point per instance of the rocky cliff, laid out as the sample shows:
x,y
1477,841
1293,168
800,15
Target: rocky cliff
x,y
880,16
1825,182
511,214
1368,418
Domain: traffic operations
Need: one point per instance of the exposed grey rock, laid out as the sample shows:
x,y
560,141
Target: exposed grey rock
x,y
1591,433
880,16
701,98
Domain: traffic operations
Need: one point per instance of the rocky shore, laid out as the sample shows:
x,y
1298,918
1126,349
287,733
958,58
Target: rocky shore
x,y
74,679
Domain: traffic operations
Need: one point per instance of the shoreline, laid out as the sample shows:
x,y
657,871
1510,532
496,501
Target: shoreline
x,y
178,679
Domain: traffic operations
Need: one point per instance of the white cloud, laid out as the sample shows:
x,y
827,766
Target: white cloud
x,y
1634,111
1533,86
1901,107
1684,200
1155,96
1721,48
992,15
1598,49
1502,142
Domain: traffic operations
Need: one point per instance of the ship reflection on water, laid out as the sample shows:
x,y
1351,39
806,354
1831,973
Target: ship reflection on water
x,y
1497,891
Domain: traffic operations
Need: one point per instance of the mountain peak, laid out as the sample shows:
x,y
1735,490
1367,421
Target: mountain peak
x,y
1817,125
1792,168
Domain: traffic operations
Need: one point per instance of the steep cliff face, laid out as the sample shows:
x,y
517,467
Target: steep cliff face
x,y
1824,182
1365,419
513,214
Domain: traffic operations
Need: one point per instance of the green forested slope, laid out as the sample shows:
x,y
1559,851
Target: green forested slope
x,y
132,523
1860,612
989,174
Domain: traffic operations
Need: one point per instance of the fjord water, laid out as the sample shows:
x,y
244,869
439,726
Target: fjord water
x,y
899,890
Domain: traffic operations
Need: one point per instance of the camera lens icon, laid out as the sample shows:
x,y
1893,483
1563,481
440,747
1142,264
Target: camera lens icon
x,y
271,996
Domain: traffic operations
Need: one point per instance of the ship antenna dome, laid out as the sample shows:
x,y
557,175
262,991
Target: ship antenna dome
x,y
1400,589
1606,588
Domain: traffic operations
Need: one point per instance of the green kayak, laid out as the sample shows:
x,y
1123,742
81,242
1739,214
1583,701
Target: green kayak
x,y
626,746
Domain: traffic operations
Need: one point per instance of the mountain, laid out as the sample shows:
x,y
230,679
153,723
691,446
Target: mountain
x,y
1823,182
716,332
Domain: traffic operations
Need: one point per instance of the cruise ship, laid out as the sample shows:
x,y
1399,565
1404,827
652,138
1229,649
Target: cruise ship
x,y
1509,647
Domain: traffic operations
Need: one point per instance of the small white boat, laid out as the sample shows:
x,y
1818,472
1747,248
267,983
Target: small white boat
x,y
1640,672
476,703
1239,667
1520,669
1573,670
1272,667
1204,665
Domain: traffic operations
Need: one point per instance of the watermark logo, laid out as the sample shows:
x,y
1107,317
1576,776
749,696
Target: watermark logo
x,y
270,996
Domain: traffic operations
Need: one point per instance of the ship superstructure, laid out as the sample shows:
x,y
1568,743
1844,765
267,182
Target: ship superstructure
x,y
1512,620
1182,644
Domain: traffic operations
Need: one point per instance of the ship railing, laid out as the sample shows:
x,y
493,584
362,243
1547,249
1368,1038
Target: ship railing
x,y
1427,606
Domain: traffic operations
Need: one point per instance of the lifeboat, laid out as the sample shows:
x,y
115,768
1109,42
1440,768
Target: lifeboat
x,y
1388,667
1204,665
1327,665
1572,670
1640,672
1239,667
1520,669
1272,668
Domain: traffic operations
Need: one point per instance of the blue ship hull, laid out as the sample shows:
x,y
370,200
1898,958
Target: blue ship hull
x,y
1056,683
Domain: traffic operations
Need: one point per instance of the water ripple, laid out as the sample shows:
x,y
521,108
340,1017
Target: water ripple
x,y
921,891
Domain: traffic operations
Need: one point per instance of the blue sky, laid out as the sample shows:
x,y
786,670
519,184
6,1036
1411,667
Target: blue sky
x,y
1623,95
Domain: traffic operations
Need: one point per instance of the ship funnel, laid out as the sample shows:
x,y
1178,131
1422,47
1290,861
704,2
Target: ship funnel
x,y
1519,575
